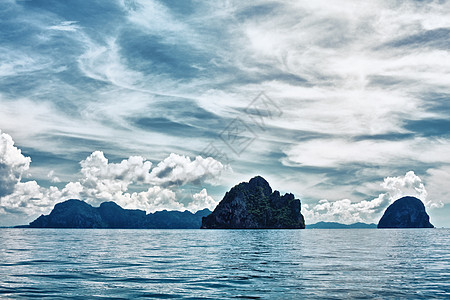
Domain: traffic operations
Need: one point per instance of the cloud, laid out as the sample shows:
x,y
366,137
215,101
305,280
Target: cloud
x,y
408,185
179,170
104,181
154,199
96,168
52,177
347,212
14,63
437,179
338,152
104,63
201,201
340,50
13,164
162,23
66,26
30,199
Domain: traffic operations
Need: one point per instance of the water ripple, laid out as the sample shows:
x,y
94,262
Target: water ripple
x,y
212,264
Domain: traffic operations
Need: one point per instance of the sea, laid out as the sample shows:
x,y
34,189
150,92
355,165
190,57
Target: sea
x,y
225,264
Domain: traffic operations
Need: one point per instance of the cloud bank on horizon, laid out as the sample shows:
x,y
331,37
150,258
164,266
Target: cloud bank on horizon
x,y
363,89
103,181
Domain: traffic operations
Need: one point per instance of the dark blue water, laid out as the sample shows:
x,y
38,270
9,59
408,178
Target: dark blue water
x,y
213,264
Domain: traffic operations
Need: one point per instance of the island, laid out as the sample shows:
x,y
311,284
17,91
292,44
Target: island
x,y
406,212
75,213
253,205
335,225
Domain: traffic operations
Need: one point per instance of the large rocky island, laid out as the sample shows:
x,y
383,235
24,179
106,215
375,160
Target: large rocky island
x,y
79,214
253,205
406,212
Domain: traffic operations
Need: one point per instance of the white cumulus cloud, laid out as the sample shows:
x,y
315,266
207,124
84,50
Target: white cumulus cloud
x,y
202,200
96,168
104,181
52,177
178,170
346,211
12,164
154,199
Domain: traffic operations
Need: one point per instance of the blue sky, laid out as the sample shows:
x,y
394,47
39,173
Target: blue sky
x,y
168,104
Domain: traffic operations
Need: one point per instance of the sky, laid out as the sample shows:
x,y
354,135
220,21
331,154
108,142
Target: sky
x,y
168,104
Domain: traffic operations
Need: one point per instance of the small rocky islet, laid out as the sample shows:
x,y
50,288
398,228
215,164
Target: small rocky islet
x,y
406,212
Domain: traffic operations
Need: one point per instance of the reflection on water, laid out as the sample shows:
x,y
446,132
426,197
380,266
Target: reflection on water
x,y
338,264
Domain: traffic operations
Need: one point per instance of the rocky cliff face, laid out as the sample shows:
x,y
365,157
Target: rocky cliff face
x,y
406,212
78,214
253,205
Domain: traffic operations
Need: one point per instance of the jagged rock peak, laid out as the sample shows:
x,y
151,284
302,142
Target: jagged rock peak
x,y
253,205
258,181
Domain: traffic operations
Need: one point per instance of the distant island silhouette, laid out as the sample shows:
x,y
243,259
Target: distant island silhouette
x,y
79,214
336,225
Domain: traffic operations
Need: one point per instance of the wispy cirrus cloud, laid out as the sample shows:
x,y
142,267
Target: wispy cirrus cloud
x,y
66,26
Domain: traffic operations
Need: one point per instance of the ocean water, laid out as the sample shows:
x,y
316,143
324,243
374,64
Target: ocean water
x,y
212,264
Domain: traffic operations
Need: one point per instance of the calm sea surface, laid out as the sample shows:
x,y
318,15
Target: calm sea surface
x,y
211,264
